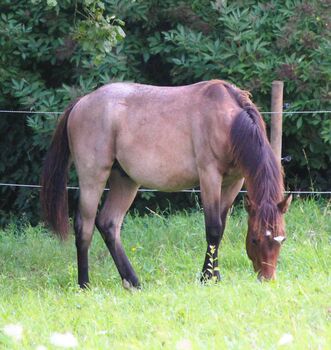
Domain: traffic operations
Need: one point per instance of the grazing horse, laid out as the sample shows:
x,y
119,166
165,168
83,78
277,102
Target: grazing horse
x,y
168,138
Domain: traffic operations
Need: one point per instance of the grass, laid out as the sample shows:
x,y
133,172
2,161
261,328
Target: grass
x,y
173,311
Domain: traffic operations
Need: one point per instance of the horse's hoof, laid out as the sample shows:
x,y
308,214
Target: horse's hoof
x,y
129,286
209,278
84,286
217,276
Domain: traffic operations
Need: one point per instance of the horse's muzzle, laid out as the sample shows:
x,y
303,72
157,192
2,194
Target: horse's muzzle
x,y
265,277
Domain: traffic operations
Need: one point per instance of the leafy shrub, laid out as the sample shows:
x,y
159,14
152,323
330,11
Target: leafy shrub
x,y
53,51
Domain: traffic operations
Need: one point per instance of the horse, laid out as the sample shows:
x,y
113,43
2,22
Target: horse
x,y
208,134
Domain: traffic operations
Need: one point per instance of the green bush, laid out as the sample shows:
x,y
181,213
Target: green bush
x,y
53,51
47,59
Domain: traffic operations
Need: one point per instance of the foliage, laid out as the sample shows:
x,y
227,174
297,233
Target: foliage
x,y
39,287
47,59
53,51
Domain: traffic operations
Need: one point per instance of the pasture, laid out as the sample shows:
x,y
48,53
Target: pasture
x,y
39,292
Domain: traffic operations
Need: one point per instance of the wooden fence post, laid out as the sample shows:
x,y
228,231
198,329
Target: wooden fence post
x,y
277,118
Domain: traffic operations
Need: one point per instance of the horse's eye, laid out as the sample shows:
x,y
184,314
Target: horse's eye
x,y
255,241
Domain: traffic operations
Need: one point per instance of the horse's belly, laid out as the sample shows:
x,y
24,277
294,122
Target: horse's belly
x,y
163,171
154,145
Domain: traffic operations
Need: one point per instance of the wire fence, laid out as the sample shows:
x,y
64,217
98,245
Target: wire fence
x,y
22,112
154,190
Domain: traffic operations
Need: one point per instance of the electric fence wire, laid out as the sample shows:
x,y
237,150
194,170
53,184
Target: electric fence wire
x,y
154,190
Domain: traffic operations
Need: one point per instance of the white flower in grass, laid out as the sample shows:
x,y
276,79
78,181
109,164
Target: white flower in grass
x,y
15,331
184,344
285,339
64,340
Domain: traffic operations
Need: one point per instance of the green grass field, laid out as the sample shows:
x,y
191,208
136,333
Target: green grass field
x,y
38,288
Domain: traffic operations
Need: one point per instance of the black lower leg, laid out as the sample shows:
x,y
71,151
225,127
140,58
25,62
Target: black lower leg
x,y
214,234
82,253
82,261
123,264
114,245
210,268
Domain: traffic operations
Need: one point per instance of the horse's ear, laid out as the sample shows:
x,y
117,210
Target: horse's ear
x,y
284,204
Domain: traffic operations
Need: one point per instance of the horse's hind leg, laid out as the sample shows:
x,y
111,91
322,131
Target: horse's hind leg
x,y
91,189
109,220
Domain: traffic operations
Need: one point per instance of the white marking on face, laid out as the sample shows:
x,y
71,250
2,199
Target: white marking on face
x,y
268,233
279,239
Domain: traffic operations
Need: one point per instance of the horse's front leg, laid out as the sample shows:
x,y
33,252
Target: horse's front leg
x,y
214,236
214,233
210,185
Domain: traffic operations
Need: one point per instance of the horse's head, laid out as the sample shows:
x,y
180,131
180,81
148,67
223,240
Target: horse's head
x,y
263,241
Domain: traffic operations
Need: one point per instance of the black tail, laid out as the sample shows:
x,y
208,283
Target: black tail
x,y
54,177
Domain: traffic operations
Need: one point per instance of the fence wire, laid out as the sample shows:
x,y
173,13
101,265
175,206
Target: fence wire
x,y
154,190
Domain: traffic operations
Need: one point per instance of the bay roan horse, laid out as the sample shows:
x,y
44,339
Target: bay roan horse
x,y
168,138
